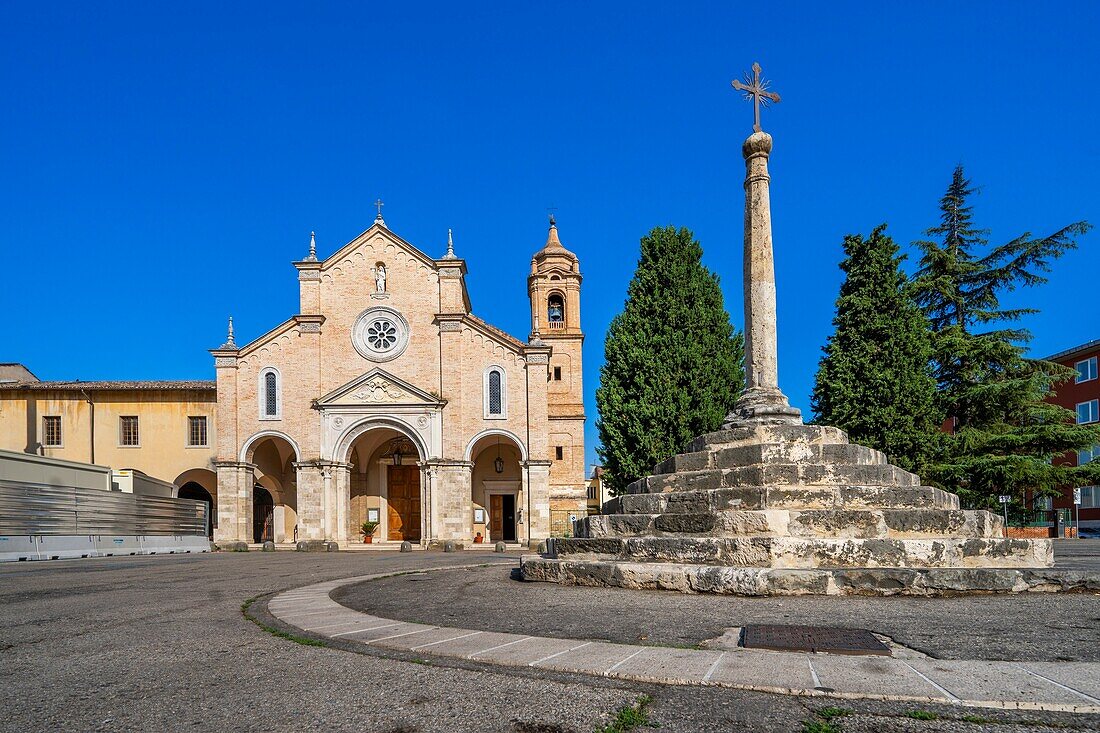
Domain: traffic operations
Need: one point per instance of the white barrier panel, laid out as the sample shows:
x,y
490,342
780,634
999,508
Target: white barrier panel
x,y
15,548
64,547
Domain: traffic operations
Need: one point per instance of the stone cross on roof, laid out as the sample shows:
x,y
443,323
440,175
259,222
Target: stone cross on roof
x,y
756,89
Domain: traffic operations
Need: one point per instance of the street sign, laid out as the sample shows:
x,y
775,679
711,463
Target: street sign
x,y
1077,496
1004,499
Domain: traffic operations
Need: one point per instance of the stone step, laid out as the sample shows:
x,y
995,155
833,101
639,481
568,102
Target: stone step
x,y
783,497
823,523
808,434
788,582
795,552
804,474
772,453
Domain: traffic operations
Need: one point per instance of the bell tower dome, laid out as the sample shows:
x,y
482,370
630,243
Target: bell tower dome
x,y
554,287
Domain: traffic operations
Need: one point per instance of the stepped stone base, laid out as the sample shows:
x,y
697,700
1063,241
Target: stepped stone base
x,y
797,582
772,507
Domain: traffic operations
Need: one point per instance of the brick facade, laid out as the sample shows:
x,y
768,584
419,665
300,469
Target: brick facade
x,y
383,370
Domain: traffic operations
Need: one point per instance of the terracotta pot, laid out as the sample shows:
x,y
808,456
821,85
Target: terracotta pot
x,y
367,539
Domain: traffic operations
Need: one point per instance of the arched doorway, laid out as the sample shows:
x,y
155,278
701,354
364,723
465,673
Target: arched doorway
x,y
195,491
263,515
498,495
201,484
386,486
274,457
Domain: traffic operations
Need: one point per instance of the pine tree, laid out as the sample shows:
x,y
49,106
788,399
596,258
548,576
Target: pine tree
x,y
673,364
1004,435
875,380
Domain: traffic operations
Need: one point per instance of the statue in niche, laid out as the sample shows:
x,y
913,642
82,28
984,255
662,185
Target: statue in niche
x,y
379,278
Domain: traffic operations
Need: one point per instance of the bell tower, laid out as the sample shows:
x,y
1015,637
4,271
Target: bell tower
x,y
554,287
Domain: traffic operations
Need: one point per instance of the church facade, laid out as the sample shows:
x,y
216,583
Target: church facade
x,y
385,400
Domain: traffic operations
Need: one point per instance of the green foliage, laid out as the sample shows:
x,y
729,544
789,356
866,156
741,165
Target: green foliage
x,y
673,363
875,380
1005,435
833,712
367,528
820,726
631,717
921,715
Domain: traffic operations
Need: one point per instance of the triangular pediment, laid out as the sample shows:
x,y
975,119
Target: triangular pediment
x,y
374,232
378,387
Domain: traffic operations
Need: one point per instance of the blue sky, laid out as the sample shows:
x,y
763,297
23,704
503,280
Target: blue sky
x,y
162,165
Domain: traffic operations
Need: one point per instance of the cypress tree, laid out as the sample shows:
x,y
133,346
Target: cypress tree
x,y
1004,434
673,364
875,379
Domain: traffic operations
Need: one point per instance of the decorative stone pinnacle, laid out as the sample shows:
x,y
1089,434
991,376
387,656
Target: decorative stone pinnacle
x,y
450,246
229,342
312,247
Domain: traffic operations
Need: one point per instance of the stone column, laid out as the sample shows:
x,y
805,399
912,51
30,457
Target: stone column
x,y
762,402
341,481
234,501
537,512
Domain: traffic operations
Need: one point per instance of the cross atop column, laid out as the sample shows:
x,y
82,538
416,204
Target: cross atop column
x,y
378,219
756,89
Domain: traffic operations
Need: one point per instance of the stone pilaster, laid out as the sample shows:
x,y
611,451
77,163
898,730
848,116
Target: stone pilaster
x,y
536,513
452,500
341,482
762,402
235,481
311,501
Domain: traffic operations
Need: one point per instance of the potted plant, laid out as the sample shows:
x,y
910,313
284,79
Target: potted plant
x,y
368,531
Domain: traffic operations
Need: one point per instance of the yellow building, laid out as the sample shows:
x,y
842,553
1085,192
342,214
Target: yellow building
x,y
164,429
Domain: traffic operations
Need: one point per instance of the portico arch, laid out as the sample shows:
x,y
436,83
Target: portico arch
x,y
272,456
342,452
249,445
500,432
386,481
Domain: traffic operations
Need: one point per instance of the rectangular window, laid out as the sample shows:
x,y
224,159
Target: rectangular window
x,y
1088,412
1086,370
196,431
1043,503
128,430
1090,497
559,452
557,374
51,431
1089,454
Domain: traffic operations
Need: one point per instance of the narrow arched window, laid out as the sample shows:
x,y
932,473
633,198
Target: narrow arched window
x,y
495,402
270,395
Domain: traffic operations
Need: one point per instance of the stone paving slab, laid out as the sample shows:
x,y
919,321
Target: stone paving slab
x,y
976,680
775,671
588,657
1071,687
863,676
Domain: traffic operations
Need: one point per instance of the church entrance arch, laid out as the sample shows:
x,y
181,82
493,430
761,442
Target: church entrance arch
x,y
497,486
386,484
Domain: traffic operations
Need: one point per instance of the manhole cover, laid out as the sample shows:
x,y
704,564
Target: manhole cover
x,y
812,639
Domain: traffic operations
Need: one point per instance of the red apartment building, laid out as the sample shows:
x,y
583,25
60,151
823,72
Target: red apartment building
x,y
1081,394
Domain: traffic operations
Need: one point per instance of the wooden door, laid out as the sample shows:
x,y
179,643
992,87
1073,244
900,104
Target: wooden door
x,y
496,516
403,492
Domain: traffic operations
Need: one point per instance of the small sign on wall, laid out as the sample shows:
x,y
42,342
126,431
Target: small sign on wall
x,y
372,515
479,516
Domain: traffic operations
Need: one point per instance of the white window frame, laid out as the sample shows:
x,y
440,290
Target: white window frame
x,y
137,425
1090,369
1090,497
205,431
261,394
503,415
1094,412
60,432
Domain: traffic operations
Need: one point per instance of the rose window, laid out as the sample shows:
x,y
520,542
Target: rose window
x,y
382,335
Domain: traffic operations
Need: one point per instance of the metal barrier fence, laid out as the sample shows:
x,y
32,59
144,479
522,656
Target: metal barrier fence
x,y
31,509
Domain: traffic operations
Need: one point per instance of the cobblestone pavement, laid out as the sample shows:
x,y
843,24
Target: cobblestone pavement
x,y
160,643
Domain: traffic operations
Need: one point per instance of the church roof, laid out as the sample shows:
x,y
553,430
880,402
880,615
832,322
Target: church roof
x,y
553,245
503,336
76,385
